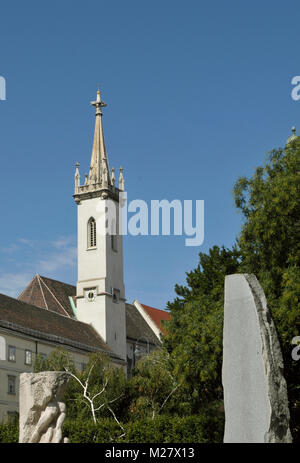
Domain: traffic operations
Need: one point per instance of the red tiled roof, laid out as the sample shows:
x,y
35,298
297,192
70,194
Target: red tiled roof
x,y
157,316
54,296
49,294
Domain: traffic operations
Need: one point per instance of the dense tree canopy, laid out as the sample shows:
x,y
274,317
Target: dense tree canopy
x,y
195,329
269,247
270,203
154,387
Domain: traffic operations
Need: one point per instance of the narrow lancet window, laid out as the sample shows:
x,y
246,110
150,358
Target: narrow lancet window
x,y
92,242
113,236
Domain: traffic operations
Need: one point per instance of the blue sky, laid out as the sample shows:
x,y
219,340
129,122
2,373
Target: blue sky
x,y
198,92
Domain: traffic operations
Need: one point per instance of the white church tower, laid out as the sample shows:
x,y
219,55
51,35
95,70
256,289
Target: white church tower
x,y
100,295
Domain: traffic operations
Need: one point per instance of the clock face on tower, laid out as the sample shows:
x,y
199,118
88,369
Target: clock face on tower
x,y
90,294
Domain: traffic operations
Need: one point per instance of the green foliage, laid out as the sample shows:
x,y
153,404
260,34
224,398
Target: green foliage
x,y
270,202
101,376
154,387
86,431
9,431
39,364
57,360
105,381
205,427
195,330
165,429
270,247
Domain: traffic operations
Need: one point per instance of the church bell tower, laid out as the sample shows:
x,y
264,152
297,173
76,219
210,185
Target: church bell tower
x,y
100,294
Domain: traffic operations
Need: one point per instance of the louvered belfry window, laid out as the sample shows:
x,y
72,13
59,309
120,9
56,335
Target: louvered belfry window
x,y
92,233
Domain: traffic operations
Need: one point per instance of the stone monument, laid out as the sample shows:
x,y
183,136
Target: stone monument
x,y
255,392
42,411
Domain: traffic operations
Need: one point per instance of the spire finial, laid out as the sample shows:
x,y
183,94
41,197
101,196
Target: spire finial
x,y
98,103
99,170
113,178
77,177
293,137
121,179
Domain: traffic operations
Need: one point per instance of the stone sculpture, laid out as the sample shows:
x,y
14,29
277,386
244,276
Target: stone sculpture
x,y
255,392
42,411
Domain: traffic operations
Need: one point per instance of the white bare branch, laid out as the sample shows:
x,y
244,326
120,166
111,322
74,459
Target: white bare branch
x,y
101,392
91,400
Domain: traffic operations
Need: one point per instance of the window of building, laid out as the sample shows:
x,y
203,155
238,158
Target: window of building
x,y
114,236
28,357
114,242
92,241
12,353
90,294
11,384
12,415
116,295
83,366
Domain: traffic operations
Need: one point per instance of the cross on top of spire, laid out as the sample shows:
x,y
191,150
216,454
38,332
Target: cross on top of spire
x,y
98,103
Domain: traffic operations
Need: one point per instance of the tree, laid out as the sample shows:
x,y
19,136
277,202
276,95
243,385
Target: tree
x,y
98,398
153,384
194,333
268,246
95,390
57,360
270,203
269,243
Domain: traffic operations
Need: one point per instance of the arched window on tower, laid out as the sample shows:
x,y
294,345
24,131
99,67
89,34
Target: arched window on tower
x,y
114,236
92,242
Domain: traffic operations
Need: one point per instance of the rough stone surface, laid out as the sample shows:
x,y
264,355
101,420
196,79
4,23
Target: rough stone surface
x,y
42,411
255,392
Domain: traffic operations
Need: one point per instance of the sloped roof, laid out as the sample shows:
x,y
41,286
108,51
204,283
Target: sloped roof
x,y
137,328
49,294
157,316
54,295
48,325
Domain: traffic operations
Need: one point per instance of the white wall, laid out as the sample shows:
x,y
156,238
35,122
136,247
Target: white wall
x,y
101,269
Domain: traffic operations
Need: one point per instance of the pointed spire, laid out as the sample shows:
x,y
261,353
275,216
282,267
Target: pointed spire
x,y
99,181
99,170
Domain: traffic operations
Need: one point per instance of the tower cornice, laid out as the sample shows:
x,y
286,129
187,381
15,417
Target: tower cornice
x,y
93,191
